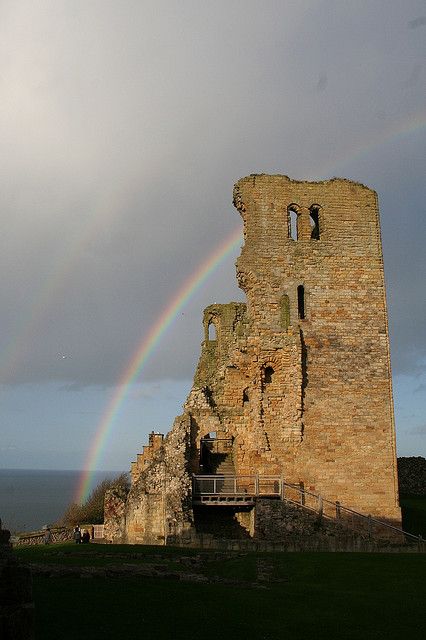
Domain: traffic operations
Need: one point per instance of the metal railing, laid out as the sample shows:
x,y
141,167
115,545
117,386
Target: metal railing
x,y
270,486
236,485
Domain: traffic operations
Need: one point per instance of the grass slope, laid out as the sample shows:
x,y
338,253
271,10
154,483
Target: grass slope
x,y
304,595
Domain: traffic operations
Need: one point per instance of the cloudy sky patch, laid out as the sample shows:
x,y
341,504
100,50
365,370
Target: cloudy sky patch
x,y
124,126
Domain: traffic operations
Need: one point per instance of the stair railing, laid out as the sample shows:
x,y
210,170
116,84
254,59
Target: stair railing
x,y
275,487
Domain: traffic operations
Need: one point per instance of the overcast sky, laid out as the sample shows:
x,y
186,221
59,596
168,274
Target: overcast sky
x,y
124,125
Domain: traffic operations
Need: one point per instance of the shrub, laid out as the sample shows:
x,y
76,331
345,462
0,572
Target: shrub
x,y
92,510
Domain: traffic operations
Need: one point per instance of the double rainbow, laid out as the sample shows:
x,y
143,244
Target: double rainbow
x,y
144,351
415,123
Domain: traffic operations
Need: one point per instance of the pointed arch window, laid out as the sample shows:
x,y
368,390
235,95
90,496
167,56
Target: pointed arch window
x,y
314,220
292,221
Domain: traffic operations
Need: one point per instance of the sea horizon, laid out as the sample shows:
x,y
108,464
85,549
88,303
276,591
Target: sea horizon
x,y
33,498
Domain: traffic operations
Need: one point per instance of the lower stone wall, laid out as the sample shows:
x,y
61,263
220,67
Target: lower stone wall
x,y
114,514
146,521
298,544
59,534
223,522
158,506
284,521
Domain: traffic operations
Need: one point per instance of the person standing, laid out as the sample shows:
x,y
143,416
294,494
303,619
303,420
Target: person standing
x,y
47,536
77,535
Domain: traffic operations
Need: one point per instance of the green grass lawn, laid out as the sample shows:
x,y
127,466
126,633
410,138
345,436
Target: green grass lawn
x,y
317,595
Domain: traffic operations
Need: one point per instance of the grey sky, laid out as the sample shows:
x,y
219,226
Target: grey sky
x,y
124,126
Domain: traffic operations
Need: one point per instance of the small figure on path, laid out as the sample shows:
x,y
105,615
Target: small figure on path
x,y
85,538
47,536
77,535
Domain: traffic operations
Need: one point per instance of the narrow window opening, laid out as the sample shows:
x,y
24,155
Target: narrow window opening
x,y
245,396
269,374
208,394
314,220
301,301
292,224
285,311
212,331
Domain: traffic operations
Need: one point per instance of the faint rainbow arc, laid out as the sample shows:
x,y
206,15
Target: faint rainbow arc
x,y
416,122
143,352
26,331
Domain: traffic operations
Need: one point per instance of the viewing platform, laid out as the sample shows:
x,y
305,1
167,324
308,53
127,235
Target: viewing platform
x,y
227,490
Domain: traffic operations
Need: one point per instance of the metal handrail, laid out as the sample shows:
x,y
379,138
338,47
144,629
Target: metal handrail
x,y
338,508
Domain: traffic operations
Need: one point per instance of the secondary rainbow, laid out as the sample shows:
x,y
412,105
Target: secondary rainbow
x,y
414,123
143,352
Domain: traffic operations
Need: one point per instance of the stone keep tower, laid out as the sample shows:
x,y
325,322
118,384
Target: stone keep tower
x,y
297,381
319,397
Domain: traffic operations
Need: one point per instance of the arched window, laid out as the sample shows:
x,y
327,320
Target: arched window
x,y
314,220
212,331
292,215
301,301
268,375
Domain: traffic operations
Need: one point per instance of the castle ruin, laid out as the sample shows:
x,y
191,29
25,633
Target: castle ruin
x,y
293,388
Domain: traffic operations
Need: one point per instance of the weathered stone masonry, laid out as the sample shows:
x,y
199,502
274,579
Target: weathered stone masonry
x,y
299,377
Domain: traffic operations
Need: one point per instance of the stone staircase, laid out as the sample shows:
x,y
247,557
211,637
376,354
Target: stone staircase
x,y
222,464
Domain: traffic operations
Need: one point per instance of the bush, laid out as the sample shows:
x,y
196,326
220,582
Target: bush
x,y
92,511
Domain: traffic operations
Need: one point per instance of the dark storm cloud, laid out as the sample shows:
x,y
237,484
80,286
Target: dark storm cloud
x,y
124,126
417,22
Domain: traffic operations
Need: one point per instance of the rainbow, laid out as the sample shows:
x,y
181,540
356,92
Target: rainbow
x,y
414,123
144,351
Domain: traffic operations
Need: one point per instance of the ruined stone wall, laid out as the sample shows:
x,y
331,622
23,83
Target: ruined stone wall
x,y
143,459
299,377
158,507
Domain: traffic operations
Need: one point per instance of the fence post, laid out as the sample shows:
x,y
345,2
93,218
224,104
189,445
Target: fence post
x,y
235,484
320,507
337,510
256,485
302,493
282,488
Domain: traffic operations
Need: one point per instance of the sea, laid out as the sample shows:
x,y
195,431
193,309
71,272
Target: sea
x,y
33,498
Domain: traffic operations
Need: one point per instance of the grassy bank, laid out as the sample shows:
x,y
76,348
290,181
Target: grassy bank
x,y
210,595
